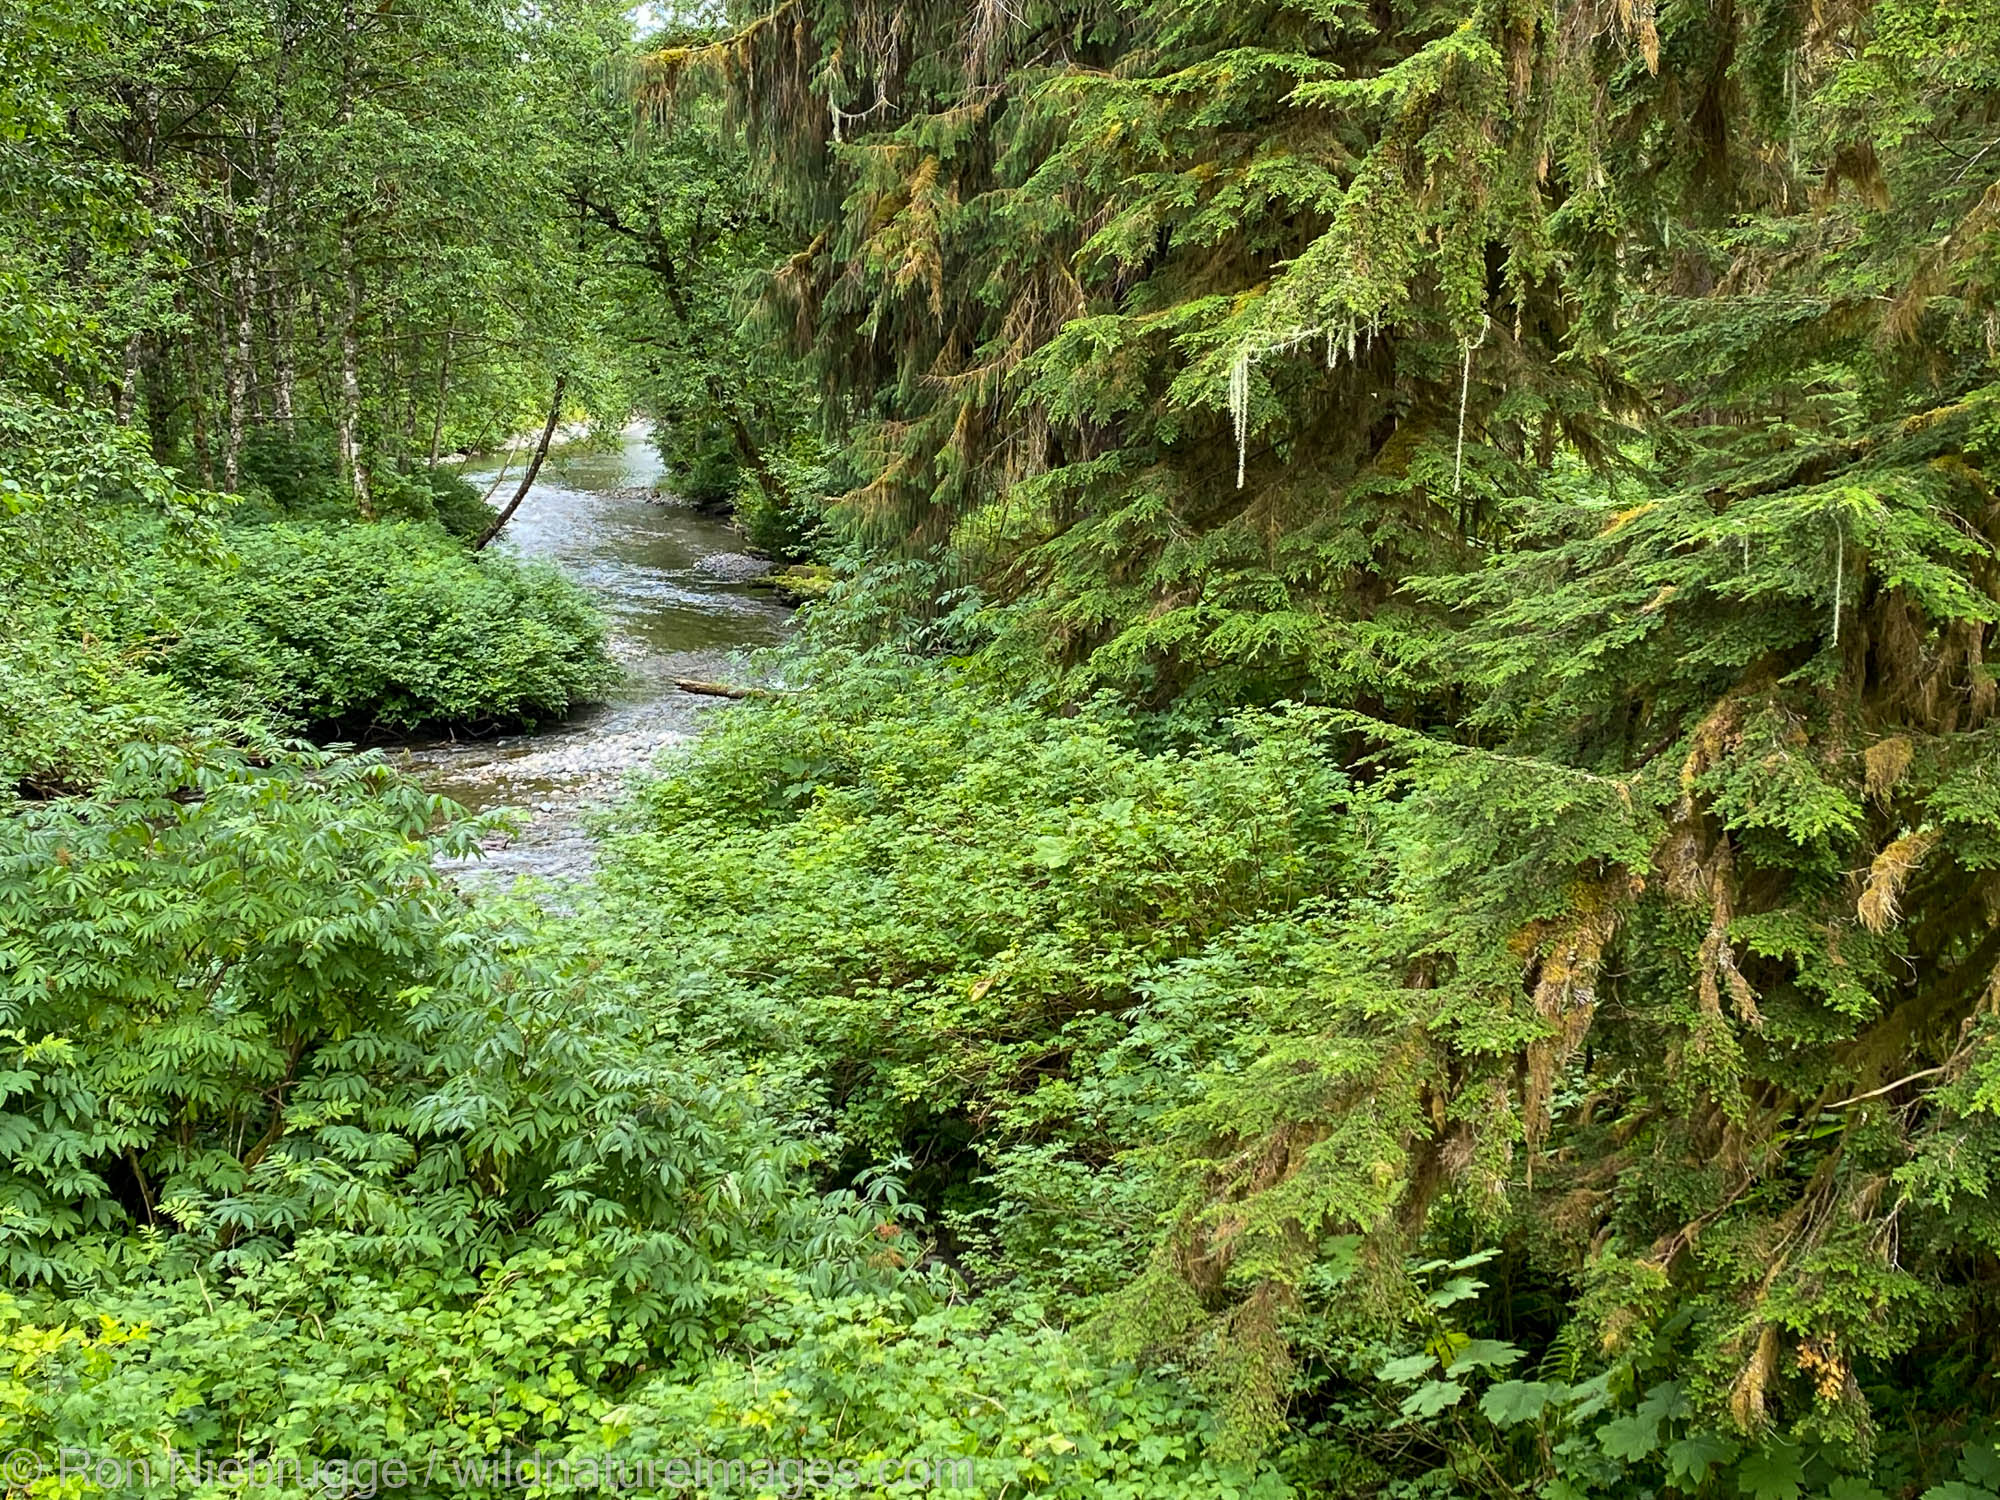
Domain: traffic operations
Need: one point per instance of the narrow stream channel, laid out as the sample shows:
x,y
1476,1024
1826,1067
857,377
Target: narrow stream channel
x,y
673,585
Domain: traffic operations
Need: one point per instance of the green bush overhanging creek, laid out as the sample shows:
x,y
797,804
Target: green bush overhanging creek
x,y
1150,751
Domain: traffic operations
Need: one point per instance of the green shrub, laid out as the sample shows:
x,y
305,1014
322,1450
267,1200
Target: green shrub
x,y
787,525
303,1158
460,508
705,468
237,1005
79,497
391,625
999,941
1165,1034
433,495
701,461
291,473
69,699
308,1362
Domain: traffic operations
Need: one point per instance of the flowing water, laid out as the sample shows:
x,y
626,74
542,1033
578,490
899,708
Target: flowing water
x,y
674,587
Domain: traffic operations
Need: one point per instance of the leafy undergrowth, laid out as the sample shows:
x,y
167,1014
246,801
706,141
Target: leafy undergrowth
x,y
388,626
304,1158
1223,1059
133,611
957,928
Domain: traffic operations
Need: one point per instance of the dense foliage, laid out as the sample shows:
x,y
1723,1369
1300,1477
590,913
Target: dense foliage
x,y
388,625
1378,880
308,1160
1093,989
1586,411
259,1053
338,629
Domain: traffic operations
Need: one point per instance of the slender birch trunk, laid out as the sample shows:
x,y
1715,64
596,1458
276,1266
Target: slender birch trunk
x,y
351,467
444,383
128,379
350,373
246,343
278,318
233,333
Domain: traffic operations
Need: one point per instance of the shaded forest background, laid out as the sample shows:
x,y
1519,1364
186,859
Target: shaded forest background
x,y
1378,877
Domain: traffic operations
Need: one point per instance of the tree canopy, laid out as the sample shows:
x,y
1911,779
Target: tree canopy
x,y
1379,876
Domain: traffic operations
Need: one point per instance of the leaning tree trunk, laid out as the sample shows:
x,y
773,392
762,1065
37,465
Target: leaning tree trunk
x,y
534,464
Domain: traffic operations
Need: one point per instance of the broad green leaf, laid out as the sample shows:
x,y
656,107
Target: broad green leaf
x,y
1338,1256
1454,1291
1406,1370
1689,1459
1432,1397
1591,1396
1485,1354
1630,1438
1665,1402
1513,1402
1980,1464
1774,1473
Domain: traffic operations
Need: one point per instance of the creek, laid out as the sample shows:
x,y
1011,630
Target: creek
x,y
676,590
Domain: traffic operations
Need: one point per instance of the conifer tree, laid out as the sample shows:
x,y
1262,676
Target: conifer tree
x,y
1591,405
